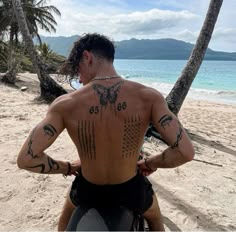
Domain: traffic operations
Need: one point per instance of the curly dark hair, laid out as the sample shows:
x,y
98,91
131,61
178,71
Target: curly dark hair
x,y
99,45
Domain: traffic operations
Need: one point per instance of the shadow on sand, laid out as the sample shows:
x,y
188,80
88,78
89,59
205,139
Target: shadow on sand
x,y
203,221
211,143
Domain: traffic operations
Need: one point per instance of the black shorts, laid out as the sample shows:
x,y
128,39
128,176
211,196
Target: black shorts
x,y
135,194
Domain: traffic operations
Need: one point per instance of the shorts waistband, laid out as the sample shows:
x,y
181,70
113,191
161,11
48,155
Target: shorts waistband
x,y
129,182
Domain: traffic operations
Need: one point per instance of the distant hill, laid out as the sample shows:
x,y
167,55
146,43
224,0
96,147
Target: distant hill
x,y
61,44
160,49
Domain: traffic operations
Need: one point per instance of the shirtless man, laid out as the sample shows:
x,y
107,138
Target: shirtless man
x,y
107,120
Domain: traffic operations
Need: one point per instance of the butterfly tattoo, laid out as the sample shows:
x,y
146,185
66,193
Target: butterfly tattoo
x,y
107,94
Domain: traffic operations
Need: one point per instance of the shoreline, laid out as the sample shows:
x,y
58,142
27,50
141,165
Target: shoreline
x,y
32,77
196,196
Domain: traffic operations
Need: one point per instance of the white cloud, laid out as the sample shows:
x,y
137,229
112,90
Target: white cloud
x,y
135,23
223,39
150,21
183,20
187,36
221,33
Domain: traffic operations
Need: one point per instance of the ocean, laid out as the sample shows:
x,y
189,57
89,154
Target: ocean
x,y
215,81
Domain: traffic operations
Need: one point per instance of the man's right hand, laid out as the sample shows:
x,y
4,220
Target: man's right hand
x,y
144,168
75,167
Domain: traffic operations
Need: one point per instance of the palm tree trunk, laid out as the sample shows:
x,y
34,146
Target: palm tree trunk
x,y
10,76
177,95
49,88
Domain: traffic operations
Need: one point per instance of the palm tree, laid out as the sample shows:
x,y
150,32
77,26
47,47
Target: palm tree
x,y
3,56
49,88
49,57
45,52
177,95
3,47
38,15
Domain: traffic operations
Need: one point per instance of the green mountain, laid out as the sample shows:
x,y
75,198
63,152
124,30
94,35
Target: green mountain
x,y
61,44
160,49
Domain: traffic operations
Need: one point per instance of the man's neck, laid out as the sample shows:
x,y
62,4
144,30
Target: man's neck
x,y
104,69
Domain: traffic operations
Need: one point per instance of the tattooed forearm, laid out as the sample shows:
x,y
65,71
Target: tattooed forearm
x,y
30,144
165,120
49,130
163,155
178,136
51,165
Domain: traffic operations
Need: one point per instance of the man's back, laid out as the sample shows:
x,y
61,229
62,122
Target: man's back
x,y
107,120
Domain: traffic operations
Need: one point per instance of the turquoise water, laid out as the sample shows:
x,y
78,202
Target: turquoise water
x,y
215,81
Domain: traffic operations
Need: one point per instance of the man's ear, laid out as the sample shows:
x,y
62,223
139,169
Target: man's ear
x,y
87,57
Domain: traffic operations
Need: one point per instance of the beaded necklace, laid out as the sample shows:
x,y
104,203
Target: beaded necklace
x,y
104,78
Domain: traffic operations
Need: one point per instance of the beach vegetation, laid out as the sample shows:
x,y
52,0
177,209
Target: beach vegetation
x,y
21,19
49,88
38,15
51,58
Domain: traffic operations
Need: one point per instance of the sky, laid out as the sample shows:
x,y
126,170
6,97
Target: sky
x,y
145,19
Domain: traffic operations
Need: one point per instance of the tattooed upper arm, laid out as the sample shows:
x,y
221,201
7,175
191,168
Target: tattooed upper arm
x,y
170,128
42,136
49,130
167,123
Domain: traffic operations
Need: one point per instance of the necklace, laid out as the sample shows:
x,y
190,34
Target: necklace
x,y
104,78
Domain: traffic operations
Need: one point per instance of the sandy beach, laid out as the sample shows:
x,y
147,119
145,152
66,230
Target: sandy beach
x,y
198,196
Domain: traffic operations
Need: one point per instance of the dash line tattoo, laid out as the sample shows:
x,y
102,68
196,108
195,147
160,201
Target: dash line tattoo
x,y
86,136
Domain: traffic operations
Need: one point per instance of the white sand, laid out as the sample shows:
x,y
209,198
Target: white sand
x,y
196,196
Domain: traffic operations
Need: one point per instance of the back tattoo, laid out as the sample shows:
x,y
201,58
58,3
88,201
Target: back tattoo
x,y
86,136
108,95
131,136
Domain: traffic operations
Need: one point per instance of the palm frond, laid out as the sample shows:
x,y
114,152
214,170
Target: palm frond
x,y
38,15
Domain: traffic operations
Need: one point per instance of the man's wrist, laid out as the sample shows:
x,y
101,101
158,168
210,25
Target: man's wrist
x,y
68,170
149,165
